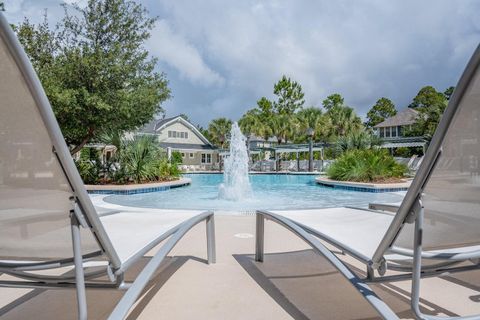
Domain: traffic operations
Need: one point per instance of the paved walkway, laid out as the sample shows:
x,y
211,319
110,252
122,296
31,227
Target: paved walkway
x,y
292,283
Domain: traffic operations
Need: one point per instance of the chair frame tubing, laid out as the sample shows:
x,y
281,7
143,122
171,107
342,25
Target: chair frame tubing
x,y
362,287
360,284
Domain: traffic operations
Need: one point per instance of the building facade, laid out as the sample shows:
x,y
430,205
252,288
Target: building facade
x,y
392,131
395,126
178,134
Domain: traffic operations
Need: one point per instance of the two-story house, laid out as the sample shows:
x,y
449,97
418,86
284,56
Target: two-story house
x,y
392,130
178,134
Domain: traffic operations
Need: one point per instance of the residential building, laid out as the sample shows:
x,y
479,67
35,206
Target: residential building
x,y
395,126
178,134
392,130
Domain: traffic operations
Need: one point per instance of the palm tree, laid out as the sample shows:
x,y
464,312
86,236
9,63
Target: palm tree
x,y
283,127
344,120
313,118
218,130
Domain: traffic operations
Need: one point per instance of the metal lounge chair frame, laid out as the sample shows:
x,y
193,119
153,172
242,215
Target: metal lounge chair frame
x,y
410,211
85,216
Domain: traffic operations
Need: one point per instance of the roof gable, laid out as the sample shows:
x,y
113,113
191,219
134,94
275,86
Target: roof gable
x,y
156,126
403,118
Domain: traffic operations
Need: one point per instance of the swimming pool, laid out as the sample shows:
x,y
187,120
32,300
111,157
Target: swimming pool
x,y
270,191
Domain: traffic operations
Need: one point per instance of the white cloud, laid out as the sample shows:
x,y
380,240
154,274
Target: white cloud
x,y
222,56
173,49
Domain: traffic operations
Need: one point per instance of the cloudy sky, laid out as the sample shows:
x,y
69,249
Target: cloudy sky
x,y
221,56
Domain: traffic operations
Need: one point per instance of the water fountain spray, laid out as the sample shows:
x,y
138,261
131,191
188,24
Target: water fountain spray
x,y
236,183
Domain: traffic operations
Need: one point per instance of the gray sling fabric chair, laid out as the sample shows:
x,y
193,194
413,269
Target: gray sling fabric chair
x,y
47,220
435,229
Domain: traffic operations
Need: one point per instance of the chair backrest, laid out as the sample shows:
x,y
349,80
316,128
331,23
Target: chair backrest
x,y
39,184
451,193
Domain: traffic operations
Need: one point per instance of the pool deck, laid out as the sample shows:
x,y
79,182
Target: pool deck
x,y
292,283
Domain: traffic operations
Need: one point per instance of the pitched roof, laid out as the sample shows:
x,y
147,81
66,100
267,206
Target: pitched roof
x,y
403,118
156,125
153,125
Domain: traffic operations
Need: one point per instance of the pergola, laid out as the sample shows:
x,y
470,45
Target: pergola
x,y
404,142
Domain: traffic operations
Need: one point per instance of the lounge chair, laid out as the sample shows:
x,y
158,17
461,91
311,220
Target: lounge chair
x,y
435,229
47,220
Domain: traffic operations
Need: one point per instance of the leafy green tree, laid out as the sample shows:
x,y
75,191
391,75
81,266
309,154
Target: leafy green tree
x,y
219,130
265,106
205,132
430,104
290,96
184,116
427,97
448,92
95,70
332,101
382,109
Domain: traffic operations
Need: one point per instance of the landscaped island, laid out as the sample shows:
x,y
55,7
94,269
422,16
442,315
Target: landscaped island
x,y
368,165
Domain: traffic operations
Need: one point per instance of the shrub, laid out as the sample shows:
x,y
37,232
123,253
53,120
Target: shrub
x,y
176,157
357,140
370,165
89,165
138,158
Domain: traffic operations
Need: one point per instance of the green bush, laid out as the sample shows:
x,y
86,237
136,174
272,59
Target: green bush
x,y
139,157
370,165
176,157
357,140
89,165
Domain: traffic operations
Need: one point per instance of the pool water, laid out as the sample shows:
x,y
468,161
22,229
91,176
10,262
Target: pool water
x,y
270,192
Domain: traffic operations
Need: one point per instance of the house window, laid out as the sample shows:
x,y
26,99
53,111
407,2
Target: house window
x,y
183,155
382,132
400,131
206,158
387,132
394,131
178,134
191,155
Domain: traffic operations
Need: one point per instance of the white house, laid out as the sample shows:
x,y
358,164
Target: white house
x,y
178,134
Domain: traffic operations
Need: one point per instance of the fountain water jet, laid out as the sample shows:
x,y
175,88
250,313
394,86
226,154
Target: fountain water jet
x,y
236,183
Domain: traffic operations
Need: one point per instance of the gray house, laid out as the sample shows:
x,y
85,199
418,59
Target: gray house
x,y
395,126
178,134
392,130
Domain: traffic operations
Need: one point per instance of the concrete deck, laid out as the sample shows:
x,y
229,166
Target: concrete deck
x,y
292,283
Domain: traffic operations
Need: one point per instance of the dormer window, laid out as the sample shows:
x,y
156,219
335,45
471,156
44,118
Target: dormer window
x,y
177,134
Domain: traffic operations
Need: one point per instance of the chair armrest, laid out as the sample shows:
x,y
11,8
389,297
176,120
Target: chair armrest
x,y
383,207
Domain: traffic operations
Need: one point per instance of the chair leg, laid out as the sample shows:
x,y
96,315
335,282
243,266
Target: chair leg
x,y
79,276
211,251
259,237
417,264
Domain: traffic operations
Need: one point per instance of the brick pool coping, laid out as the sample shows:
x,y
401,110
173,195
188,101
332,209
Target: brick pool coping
x,y
364,187
137,188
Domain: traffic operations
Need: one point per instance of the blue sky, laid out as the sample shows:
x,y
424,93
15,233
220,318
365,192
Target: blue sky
x,y
221,56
